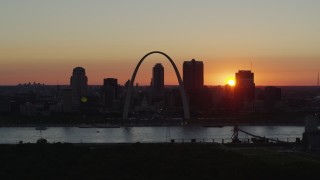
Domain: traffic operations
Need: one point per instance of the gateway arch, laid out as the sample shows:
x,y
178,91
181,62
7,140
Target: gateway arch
x,y
181,87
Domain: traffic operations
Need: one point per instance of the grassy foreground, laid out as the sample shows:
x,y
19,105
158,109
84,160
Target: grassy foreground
x,y
149,161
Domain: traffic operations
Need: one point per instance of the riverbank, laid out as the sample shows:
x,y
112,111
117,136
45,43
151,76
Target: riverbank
x,y
107,125
151,161
227,119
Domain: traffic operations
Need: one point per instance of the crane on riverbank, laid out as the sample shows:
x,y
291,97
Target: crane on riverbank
x,y
255,139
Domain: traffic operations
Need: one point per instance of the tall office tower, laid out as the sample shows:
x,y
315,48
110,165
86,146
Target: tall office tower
x,y
193,75
158,78
112,82
109,91
79,85
245,87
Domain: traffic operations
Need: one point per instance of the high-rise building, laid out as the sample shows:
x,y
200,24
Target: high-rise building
x,y
193,75
245,87
109,91
79,85
158,78
112,82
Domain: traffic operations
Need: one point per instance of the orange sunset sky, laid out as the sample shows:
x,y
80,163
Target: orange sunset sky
x,y
43,41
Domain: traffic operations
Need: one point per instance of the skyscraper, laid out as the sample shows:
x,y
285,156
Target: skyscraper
x,y
245,87
193,75
158,77
79,85
109,91
112,82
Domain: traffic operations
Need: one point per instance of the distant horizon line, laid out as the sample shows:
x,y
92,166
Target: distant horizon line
x,y
164,85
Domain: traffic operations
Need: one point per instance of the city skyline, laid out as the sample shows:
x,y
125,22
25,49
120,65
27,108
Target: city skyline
x,y
43,41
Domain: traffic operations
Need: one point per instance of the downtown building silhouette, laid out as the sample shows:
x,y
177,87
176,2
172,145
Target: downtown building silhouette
x,y
157,82
193,80
156,94
109,91
79,86
193,75
244,90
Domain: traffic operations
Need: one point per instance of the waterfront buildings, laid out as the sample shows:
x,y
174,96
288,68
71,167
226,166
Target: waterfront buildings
x,y
193,83
245,86
79,86
193,75
109,91
157,82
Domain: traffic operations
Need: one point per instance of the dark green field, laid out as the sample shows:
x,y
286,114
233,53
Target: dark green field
x,y
150,161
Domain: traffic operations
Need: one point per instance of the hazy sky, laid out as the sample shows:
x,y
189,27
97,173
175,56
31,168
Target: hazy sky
x,y
43,40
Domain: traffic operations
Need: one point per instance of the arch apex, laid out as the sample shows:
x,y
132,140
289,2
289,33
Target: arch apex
x,y
181,86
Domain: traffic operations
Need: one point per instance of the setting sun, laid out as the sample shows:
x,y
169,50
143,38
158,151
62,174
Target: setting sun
x,y
231,82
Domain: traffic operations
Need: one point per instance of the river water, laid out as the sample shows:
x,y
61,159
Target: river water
x,y
12,135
